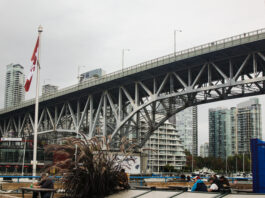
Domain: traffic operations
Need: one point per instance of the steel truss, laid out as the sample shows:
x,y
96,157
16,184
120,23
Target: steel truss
x,y
137,108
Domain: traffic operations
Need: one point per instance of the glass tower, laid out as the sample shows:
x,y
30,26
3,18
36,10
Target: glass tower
x,y
248,124
186,125
219,130
14,87
230,130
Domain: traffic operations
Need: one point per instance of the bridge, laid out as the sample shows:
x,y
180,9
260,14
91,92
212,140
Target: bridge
x,y
132,103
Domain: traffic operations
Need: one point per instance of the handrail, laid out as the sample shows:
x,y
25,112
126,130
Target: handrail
x,y
123,72
178,177
137,178
131,177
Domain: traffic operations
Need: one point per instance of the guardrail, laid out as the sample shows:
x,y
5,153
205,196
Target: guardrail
x,y
25,177
138,179
138,67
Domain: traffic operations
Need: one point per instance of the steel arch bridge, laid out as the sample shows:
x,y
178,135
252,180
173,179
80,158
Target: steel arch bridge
x,y
134,102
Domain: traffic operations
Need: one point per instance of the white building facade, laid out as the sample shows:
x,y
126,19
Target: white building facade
x,y
164,148
204,150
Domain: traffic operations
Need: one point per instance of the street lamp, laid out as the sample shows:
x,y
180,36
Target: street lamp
x,y
78,71
122,56
192,162
175,31
45,80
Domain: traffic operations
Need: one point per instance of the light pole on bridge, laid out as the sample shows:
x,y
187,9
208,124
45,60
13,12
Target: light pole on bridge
x,y
78,72
122,57
175,33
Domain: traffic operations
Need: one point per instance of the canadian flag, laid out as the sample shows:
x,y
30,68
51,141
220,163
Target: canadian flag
x,y
32,69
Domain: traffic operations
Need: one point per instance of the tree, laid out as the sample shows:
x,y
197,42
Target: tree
x,y
168,168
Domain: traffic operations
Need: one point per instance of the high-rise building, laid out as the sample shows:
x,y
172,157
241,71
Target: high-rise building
x,y
164,148
49,89
204,150
248,116
14,87
187,127
230,130
219,130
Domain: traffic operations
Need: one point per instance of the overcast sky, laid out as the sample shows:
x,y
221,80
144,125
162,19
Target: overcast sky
x,y
92,33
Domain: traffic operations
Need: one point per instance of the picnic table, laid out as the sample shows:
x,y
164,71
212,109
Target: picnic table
x,y
38,190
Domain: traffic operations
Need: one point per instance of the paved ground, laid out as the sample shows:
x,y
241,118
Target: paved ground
x,y
6,196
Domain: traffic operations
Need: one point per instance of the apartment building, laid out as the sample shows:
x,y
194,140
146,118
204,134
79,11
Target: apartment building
x,y
187,126
204,150
230,130
164,147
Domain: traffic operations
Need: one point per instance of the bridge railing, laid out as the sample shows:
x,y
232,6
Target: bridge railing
x,y
141,66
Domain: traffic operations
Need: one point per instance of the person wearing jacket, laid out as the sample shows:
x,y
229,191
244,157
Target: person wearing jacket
x,y
198,185
214,187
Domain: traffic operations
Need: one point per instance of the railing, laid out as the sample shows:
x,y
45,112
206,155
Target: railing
x,y
125,71
135,179
140,179
24,177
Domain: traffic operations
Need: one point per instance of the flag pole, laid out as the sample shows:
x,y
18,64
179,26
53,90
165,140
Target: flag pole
x,y
36,108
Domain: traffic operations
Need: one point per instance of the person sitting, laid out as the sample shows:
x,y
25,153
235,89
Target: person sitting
x,y
45,182
182,178
213,186
217,181
224,181
124,180
198,185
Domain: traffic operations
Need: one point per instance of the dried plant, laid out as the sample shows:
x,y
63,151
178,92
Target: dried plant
x,y
88,167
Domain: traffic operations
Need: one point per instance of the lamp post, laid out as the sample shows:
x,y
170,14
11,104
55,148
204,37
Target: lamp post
x,y
226,164
243,162
78,71
175,32
122,57
45,80
192,163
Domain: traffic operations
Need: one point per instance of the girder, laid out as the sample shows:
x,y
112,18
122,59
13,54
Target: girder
x,y
135,108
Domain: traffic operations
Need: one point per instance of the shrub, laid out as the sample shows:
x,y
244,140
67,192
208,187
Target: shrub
x,y
89,168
